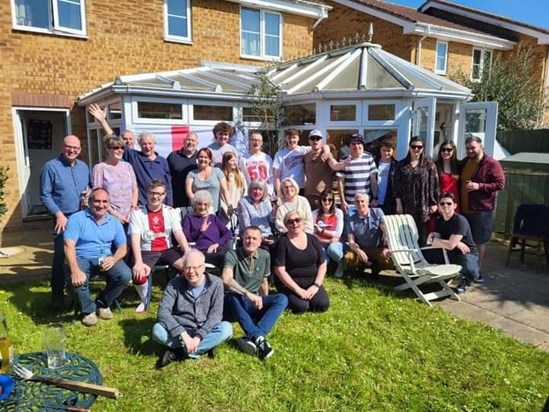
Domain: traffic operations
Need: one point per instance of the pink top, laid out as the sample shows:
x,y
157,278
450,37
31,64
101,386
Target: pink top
x,y
118,181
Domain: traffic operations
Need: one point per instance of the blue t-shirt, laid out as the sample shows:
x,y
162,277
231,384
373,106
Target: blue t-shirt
x,y
92,239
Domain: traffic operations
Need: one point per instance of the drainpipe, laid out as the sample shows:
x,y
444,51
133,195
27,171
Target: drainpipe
x,y
322,17
420,41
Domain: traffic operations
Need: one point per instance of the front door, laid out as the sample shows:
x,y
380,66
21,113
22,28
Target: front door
x,y
40,136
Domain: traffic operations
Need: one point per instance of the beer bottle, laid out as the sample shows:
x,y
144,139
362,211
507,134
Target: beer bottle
x,y
6,350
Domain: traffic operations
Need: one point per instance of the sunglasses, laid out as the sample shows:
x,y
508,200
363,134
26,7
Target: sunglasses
x,y
416,147
292,221
315,138
445,203
327,200
116,147
446,149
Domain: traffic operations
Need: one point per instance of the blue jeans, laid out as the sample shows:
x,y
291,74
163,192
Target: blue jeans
x,y
219,334
255,322
468,262
336,251
117,278
57,273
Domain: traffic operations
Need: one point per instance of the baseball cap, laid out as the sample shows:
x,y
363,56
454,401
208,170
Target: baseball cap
x,y
315,133
357,137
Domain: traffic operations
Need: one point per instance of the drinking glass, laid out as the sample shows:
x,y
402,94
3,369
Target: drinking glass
x,y
54,344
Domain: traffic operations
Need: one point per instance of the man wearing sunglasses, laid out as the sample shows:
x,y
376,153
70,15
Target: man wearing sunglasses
x,y
453,233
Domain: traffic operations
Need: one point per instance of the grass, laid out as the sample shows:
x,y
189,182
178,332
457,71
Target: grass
x,y
372,351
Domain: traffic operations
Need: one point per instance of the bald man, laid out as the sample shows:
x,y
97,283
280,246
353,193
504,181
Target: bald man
x,y
64,184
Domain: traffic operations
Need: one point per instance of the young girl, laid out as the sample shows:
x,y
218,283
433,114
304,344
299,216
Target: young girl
x,y
236,188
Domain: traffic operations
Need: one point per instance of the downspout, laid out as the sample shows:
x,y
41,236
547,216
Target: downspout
x,y
322,17
420,41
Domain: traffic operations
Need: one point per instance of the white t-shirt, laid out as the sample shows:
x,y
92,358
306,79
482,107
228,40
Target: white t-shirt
x,y
383,169
258,167
292,163
139,223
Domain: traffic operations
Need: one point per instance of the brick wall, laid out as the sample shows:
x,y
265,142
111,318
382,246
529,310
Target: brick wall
x,y
124,37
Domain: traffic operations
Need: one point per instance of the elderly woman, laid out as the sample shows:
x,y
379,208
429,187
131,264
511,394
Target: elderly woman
x,y
206,177
118,179
256,210
300,267
290,201
210,235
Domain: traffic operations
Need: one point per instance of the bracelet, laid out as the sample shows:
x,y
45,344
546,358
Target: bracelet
x,y
318,285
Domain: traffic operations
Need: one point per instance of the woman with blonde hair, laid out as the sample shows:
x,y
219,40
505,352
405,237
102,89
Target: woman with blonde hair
x,y
300,267
236,187
290,201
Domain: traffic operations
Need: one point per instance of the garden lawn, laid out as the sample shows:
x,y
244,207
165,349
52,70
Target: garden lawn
x,y
372,351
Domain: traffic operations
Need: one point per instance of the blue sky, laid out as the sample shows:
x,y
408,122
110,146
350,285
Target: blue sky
x,y
535,12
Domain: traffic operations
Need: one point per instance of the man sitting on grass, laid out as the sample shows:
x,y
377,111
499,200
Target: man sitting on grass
x,y
190,315
452,232
245,274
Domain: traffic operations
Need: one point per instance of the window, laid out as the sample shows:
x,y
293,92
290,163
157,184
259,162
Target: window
x,y
260,33
481,61
149,110
213,113
177,22
51,16
441,57
381,112
303,114
342,112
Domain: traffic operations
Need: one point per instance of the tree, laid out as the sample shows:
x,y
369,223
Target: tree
x,y
266,106
516,87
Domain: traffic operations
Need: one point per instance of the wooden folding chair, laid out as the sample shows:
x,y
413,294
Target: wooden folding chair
x,y
530,230
402,238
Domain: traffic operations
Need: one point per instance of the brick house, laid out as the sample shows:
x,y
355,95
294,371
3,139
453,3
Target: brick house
x,y
440,36
56,50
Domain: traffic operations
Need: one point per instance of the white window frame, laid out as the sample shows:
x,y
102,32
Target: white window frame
x,y
193,121
325,113
138,121
262,35
55,27
437,56
481,63
188,17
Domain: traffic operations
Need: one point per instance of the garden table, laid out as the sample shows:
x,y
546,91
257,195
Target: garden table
x,y
30,396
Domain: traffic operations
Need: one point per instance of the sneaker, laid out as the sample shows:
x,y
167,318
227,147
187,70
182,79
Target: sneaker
x,y
90,319
246,345
462,286
141,308
480,279
264,349
339,271
104,313
211,353
169,356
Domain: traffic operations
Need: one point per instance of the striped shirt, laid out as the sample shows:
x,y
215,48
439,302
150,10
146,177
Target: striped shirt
x,y
357,176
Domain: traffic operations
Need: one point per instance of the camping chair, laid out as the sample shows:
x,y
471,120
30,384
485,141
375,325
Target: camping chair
x,y
531,228
402,237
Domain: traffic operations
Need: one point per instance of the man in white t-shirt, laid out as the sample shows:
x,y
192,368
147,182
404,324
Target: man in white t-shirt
x,y
290,161
257,164
222,132
150,230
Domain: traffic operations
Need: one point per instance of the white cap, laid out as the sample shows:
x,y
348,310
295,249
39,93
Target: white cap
x,y
315,133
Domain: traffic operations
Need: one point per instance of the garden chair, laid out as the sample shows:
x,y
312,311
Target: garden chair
x,y
530,229
402,237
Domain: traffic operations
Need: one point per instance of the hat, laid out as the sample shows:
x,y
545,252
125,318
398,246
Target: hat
x,y
315,133
357,137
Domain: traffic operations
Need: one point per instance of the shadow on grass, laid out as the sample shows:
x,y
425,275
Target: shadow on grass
x,y
137,336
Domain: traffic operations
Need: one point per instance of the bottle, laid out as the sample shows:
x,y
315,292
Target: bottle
x,y
6,350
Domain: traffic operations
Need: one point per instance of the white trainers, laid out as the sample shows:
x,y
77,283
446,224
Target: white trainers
x,y
90,319
104,313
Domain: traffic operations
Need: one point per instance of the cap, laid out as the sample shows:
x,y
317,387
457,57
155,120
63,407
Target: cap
x,y
357,137
315,133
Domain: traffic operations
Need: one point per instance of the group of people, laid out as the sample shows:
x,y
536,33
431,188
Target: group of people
x,y
249,216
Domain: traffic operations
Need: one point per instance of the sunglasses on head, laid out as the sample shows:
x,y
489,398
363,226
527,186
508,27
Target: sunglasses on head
x,y
447,149
445,203
292,221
